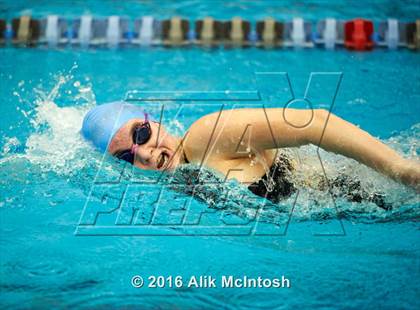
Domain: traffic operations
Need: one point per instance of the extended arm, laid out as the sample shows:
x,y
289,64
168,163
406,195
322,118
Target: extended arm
x,y
266,129
339,136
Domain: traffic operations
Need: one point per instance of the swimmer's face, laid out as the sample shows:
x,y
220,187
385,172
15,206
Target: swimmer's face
x,y
158,153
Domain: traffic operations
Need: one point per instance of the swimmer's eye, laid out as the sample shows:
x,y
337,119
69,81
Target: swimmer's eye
x,y
141,134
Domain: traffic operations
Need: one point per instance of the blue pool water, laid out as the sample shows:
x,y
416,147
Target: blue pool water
x,y
352,256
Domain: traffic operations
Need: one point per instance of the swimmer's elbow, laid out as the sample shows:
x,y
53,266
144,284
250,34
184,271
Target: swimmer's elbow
x,y
317,126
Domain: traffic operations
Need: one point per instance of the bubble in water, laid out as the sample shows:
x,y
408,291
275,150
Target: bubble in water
x,y
10,145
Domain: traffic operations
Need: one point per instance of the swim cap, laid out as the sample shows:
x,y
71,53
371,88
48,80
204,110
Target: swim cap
x,y
103,121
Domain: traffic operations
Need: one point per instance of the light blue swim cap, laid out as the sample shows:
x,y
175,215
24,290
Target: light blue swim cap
x,y
103,121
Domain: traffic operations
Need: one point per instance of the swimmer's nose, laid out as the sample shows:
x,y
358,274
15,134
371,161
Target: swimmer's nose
x,y
143,153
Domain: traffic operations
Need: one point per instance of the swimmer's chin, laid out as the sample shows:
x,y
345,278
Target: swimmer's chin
x,y
171,164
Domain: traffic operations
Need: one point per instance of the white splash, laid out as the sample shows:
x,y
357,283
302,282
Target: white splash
x,y
61,141
55,143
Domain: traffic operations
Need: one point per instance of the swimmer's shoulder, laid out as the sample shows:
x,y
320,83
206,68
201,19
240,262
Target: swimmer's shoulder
x,y
207,129
212,134
199,148
199,136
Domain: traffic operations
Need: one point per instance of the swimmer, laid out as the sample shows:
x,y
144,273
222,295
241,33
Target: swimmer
x,y
244,144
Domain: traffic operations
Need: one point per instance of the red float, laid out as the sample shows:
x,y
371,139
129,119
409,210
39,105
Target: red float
x,y
358,34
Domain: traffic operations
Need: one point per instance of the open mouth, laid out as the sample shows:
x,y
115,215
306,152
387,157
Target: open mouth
x,y
163,160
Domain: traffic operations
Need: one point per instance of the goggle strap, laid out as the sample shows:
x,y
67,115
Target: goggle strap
x,y
134,148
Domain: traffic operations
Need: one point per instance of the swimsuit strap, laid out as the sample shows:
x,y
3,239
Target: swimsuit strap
x,y
186,159
274,184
